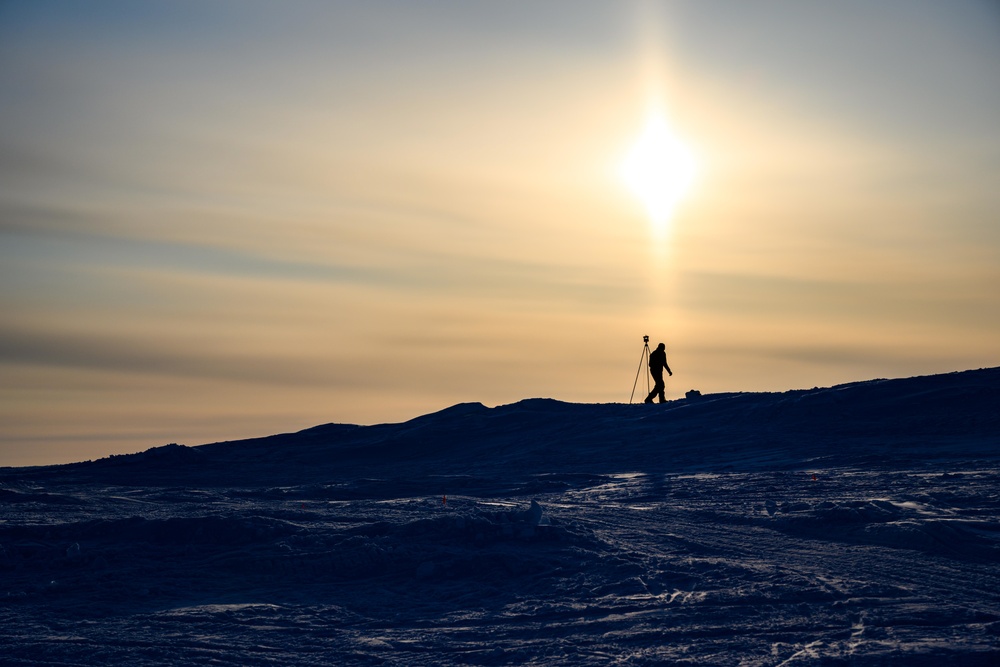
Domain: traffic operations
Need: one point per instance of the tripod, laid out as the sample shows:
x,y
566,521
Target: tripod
x,y
643,360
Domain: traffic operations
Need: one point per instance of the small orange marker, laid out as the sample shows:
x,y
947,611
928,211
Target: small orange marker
x,y
814,477
444,500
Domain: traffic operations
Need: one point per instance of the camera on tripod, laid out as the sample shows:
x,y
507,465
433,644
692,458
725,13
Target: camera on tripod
x,y
643,360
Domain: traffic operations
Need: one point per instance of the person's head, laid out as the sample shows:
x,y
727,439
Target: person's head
x,y
661,346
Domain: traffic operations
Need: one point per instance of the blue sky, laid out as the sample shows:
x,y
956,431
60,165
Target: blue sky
x,y
228,219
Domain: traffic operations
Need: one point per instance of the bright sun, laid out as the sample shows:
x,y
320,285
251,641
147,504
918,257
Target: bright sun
x,y
659,170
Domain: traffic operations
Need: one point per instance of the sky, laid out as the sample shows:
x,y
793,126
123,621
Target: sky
x,y
222,220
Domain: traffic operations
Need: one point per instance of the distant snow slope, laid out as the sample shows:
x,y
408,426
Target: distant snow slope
x,y
853,525
879,421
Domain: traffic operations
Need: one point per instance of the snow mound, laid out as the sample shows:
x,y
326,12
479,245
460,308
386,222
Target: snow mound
x,y
884,523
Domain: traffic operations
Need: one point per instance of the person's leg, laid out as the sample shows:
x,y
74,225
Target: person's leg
x,y
658,387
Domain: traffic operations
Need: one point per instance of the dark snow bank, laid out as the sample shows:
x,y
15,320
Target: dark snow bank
x,y
896,422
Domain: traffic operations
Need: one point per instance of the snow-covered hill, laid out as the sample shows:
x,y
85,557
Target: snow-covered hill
x,y
855,525
892,422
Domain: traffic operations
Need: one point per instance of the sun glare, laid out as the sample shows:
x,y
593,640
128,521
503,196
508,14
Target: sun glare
x,y
659,170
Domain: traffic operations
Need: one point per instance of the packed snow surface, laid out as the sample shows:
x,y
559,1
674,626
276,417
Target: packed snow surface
x,y
853,525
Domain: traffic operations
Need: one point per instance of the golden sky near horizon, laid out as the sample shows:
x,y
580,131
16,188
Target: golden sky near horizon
x,y
230,219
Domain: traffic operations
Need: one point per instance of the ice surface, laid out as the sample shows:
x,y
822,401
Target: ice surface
x,y
856,525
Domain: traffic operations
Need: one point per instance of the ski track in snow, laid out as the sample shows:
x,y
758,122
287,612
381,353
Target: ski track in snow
x,y
856,567
858,525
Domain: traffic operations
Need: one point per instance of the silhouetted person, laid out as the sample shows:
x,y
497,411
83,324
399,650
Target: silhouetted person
x,y
658,364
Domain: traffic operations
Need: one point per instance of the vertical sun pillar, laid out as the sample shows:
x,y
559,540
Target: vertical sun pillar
x,y
659,169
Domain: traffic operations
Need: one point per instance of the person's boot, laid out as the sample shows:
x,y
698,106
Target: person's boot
x,y
649,399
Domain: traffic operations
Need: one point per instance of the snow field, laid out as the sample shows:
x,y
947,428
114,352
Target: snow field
x,y
857,525
739,569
